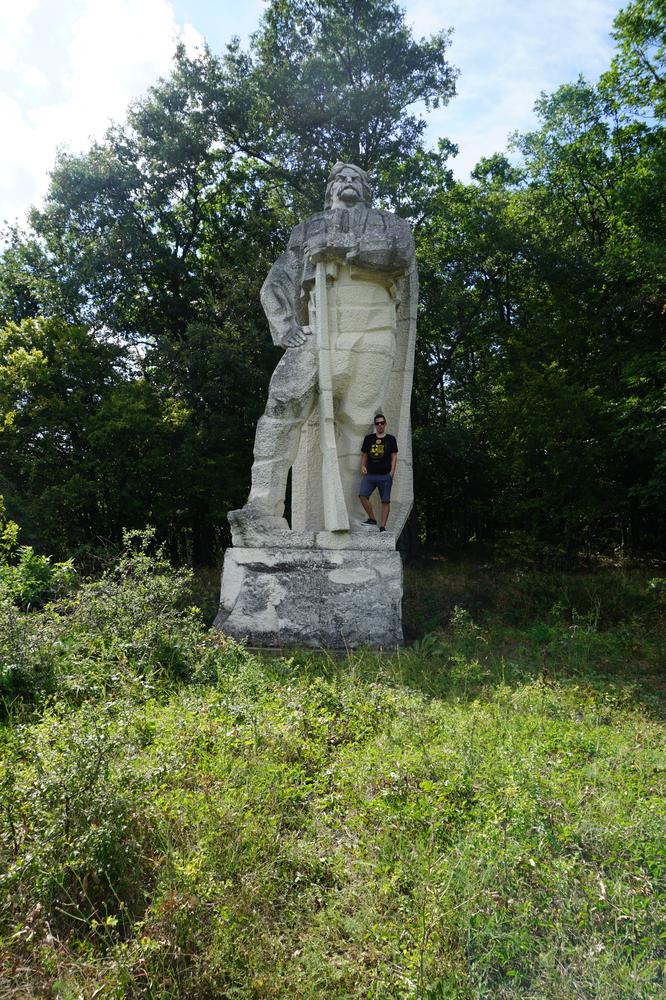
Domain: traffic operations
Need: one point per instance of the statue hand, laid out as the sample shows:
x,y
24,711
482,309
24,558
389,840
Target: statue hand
x,y
336,246
317,255
297,336
378,252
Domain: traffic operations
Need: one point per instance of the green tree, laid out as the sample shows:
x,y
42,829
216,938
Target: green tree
x,y
324,80
53,378
540,377
638,71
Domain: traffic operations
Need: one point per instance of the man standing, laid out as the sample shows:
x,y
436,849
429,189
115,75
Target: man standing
x,y
379,457
351,271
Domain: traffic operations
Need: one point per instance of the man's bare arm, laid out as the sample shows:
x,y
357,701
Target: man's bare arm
x,y
364,464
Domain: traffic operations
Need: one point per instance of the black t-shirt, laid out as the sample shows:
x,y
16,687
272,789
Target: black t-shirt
x,y
379,451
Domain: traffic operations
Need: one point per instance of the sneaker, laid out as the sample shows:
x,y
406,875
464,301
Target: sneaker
x,y
370,523
382,529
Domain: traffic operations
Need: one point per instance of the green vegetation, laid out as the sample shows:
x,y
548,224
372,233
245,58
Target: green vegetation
x,y
479,815
26,578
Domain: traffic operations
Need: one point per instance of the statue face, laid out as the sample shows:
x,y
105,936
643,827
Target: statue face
x,y
347,188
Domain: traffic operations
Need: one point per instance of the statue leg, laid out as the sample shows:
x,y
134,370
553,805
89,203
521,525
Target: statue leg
x,y
291,397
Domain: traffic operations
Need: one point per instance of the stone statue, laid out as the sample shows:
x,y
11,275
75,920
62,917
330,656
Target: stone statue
x,y
342,300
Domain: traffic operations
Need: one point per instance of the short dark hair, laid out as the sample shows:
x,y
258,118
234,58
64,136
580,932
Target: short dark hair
x,y
378,415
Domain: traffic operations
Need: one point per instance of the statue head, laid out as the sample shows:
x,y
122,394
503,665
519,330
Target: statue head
x,y
347,186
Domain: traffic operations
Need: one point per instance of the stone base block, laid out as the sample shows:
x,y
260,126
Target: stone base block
x,y
254,535
318,598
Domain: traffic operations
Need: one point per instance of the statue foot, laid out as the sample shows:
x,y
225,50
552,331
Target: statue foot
x,y
251,518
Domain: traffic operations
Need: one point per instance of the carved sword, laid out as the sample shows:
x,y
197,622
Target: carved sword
x,y
335,510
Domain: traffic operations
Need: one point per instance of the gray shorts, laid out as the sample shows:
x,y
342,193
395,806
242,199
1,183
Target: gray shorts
x,y
373,482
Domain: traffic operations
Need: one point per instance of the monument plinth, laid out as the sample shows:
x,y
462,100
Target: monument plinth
x,y
342,301
313,597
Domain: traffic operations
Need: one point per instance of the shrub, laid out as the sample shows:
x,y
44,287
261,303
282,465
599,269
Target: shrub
x,y
26,578
134,628
34,579
136,615
27,658
73,820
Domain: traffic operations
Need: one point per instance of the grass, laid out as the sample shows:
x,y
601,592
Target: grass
x,y
480,815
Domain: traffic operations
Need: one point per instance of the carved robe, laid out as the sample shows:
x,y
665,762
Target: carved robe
x,y
372,300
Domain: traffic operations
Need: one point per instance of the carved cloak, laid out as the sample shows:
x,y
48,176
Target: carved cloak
x,y
389,250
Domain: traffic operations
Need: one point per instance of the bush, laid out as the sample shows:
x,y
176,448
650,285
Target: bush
x,y
135,621
34,579
133,629
27,657
74,823
26,578
480,815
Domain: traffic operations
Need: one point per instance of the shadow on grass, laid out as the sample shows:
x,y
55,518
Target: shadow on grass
x,y
451,675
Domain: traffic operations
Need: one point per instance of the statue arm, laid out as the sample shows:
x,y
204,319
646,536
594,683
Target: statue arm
x,y
279,295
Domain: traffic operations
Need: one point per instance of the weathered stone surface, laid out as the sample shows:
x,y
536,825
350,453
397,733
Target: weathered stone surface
x,y
317,598
255,534
342,300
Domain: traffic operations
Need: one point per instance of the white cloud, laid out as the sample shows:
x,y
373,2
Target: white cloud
x,y
115,49
32,77
15,37
426,17
192,40
69,66
15,28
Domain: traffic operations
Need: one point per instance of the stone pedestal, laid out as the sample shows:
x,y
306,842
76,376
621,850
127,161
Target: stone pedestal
x,y
307,595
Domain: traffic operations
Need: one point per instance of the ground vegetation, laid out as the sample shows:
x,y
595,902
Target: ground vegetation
x,y
480,814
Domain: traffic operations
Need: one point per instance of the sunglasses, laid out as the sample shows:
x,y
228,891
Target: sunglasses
x,y
379,423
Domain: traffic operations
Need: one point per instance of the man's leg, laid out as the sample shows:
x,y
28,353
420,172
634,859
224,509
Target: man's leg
x,y
386,507
367,506
368,486
366,489
384,486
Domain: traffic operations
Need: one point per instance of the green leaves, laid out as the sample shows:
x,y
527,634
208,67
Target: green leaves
x,y
322,81
157,240
138,344
377,825
33,579
638,72
542,292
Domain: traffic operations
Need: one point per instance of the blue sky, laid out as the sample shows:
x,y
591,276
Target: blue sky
x,y
68,67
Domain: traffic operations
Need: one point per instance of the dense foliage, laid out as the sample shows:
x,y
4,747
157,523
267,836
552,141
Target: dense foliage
x,y
134,357
480,814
